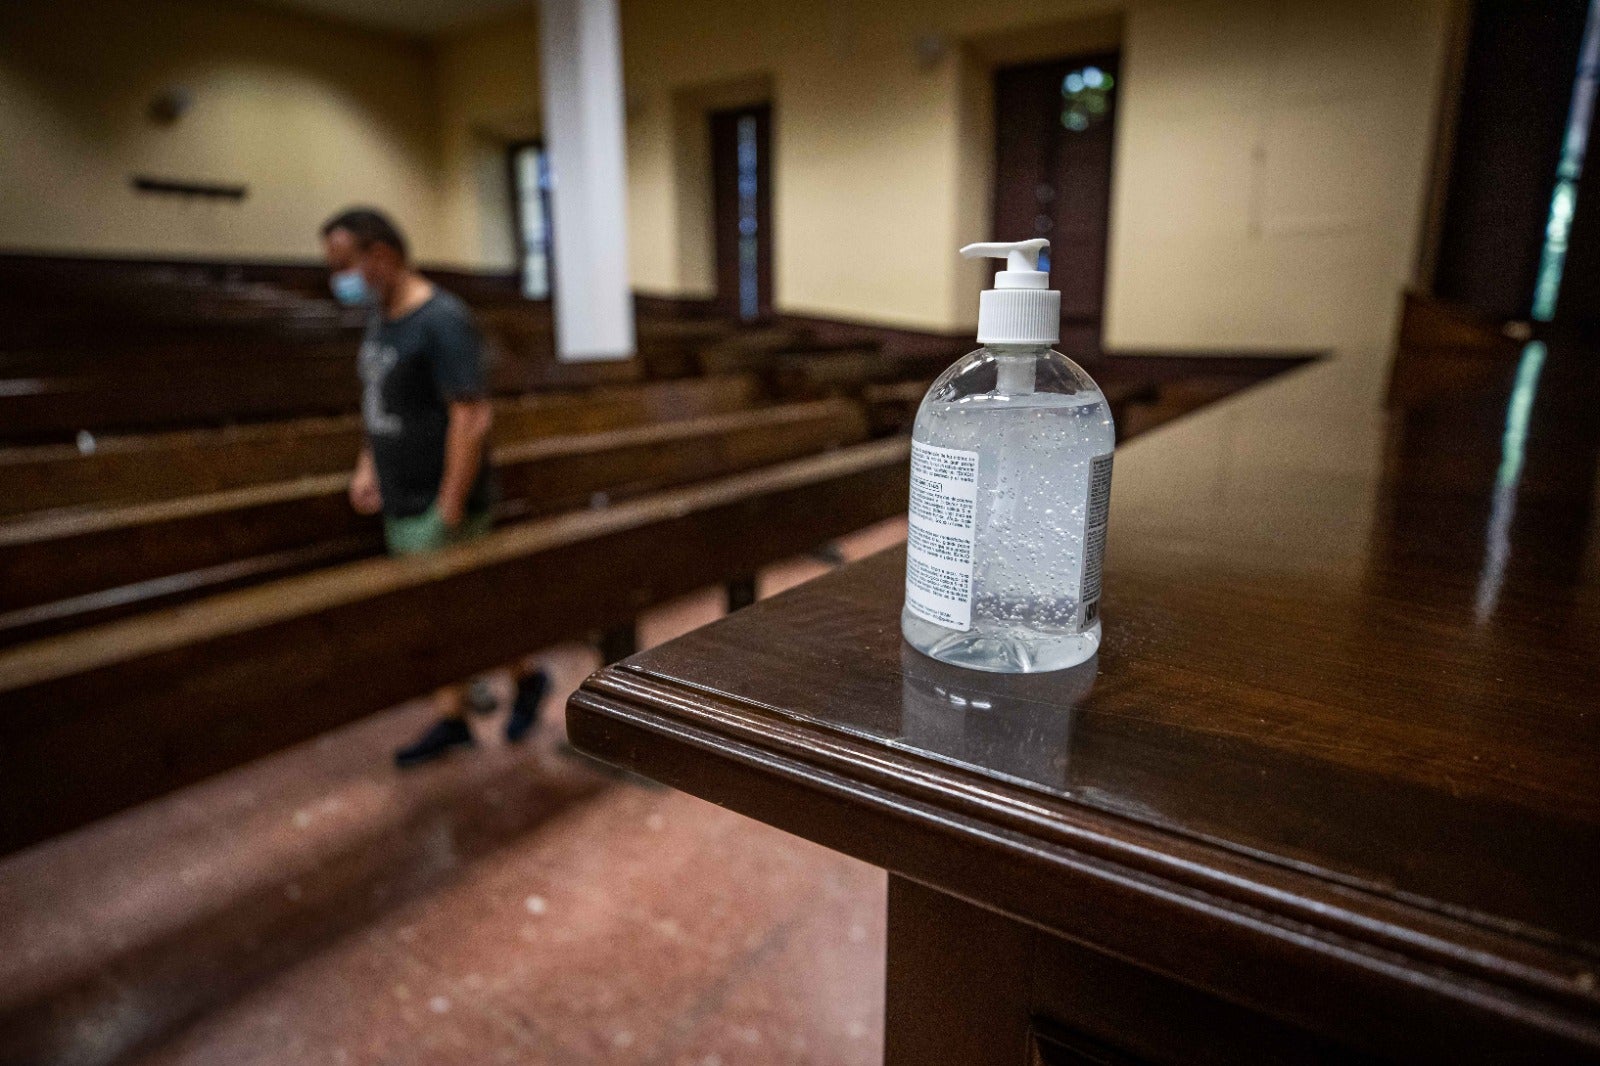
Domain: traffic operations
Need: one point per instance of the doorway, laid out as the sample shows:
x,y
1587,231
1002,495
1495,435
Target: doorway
x,y
1519,236
530,210
1053,152
741,183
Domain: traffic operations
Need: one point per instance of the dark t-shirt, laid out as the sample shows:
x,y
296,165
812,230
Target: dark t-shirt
x,y
411,369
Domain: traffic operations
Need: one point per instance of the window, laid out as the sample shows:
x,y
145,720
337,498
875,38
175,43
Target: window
x,y
530,184
749,219
741,185
1564,198
1085,98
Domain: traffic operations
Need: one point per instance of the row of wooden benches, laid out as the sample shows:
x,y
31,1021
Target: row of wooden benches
x,y
153,347
63,571
174,603
59,406
95,720
159,520
156,466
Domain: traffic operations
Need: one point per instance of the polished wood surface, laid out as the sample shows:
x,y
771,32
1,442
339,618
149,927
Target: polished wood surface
x,y
1338,762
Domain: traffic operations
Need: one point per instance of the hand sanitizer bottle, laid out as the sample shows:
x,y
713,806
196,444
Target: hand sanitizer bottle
x,y
1010,488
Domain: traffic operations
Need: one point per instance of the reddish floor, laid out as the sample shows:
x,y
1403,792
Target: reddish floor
x,y
641,927
637,925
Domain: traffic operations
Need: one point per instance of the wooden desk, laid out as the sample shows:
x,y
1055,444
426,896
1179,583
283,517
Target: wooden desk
x,y
1330,792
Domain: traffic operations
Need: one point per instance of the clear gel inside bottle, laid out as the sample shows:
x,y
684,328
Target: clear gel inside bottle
x,y
1042,435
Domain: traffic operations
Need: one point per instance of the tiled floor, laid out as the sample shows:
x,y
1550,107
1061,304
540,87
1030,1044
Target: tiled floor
x,y
638,925
642,927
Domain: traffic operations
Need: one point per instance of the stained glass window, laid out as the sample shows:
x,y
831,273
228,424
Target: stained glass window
x,y
749,270
1564,198
532,170
1085,98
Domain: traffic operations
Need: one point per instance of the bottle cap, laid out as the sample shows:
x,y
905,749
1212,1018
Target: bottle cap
x,y
1021,308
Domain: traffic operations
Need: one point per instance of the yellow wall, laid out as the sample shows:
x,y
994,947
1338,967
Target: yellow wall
x,y
1271,171
310,115
1271,154
488,99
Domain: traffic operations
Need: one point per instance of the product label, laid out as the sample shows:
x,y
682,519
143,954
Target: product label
x,y
943,513
1094,537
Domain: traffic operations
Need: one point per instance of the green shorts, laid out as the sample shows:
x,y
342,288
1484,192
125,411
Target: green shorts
x,y
426,532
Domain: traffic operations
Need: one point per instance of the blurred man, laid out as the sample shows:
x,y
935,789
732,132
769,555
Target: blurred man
x,y
425,406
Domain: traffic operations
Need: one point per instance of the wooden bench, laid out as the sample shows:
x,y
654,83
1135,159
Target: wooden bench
x,y
892,407
52,395
846,372
143,468
35,408
68,570
94,721
750,349
1326,795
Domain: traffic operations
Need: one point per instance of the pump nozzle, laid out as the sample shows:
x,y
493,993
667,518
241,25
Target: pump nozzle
x,y
1019,255
1022,262
1007,315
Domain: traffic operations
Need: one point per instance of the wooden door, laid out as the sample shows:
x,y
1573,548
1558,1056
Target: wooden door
x,y
1053,149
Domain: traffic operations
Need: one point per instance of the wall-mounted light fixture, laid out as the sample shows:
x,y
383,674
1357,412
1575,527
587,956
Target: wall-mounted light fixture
x,y
204,190
170,104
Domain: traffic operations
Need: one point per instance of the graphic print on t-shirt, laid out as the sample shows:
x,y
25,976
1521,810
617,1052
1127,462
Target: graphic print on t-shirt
x,y
377,360
412,368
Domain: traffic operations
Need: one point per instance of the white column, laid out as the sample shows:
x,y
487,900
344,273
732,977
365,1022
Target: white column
x,y
580,42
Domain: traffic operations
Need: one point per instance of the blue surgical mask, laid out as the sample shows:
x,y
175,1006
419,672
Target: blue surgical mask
x,y
350,288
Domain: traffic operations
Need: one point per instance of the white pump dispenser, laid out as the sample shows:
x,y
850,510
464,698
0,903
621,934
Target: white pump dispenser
x,y
1021,308
1010,489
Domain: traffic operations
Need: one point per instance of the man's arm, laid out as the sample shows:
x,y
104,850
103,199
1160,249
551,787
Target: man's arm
x,y
458,371
365,496
463,454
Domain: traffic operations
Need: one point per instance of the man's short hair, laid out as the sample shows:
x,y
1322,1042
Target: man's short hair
x,y
368,226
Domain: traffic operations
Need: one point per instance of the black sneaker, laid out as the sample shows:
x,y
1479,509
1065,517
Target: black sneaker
x,y
830,553
443,735
525,708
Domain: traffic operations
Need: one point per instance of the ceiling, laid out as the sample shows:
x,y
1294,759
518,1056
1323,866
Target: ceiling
x,y
417,17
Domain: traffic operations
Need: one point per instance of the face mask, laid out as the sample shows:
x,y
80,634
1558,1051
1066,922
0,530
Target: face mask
x,y
350,288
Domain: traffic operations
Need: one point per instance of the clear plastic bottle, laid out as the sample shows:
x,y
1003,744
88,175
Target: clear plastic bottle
x,y
1011,478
